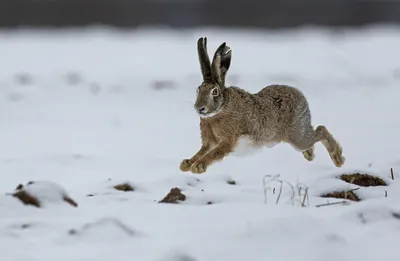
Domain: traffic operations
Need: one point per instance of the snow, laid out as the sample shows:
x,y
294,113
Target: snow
x,y
79,109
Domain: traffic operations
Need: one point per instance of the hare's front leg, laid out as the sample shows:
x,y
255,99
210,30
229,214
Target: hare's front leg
x,y
186,164
218,153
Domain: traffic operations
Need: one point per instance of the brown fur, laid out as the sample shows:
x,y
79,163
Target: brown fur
x,y
277,113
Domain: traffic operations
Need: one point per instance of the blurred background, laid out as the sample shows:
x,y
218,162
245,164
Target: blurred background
x,y
195,13
129,53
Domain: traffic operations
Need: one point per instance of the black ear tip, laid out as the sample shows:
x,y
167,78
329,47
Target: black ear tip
x,y
202,41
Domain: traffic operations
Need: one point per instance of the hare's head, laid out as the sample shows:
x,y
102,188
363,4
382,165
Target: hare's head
x,y
210,98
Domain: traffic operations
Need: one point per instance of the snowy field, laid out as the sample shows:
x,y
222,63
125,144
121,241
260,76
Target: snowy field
x,y
90,109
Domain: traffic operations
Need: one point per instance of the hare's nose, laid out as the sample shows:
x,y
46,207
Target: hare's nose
x,y
202,109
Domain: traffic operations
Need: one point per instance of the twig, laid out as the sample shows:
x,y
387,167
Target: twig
x,y
304,198
280,193
265,184
293,192
334,203
391,173
353,189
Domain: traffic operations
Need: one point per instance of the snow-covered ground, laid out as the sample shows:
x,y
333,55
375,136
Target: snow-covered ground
x,y
89,109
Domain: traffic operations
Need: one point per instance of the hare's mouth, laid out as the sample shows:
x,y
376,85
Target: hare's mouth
x,y
204,114
207,115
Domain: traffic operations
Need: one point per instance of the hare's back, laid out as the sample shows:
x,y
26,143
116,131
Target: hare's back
x,y
289,104
281,91
284,97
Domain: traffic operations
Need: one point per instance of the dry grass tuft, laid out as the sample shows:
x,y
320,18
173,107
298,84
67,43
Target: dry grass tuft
x,y
363,180
350,195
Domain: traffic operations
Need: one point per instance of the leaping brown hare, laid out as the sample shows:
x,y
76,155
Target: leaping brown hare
x,y
277,113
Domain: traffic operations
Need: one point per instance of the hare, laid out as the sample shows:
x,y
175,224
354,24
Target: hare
x,y
277,113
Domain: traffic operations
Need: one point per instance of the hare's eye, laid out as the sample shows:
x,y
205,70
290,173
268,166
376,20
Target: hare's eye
x,y
215,92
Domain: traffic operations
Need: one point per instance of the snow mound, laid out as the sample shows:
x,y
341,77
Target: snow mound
x,y
40,193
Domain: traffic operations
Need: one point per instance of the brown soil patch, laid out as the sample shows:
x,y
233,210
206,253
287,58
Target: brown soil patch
x,y
350,195
173,196
363,180
124,187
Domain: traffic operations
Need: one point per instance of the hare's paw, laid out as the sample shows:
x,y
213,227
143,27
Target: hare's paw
x,y
185,165
309,154
199,167
337,157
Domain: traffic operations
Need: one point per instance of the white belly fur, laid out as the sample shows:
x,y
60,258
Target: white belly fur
x,y
246,147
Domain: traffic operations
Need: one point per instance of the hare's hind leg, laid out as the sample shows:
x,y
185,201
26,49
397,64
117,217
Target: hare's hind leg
x,y
303,140
332,146
308,137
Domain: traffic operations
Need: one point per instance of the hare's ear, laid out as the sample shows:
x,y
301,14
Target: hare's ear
x,y
220,64
225,63
204,59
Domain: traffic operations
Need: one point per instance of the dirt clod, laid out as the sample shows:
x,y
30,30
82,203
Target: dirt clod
x,y
396,215
25,226
26,198
231,182
363,180
124,187
350,195
173,196
70,201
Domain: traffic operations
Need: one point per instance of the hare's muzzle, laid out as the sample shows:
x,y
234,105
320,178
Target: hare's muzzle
x,y
202,110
